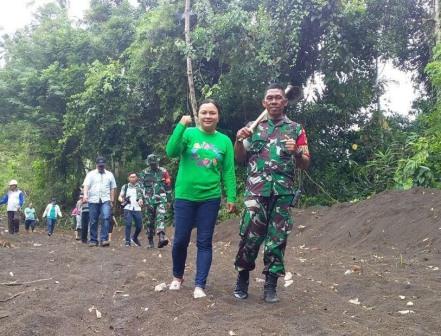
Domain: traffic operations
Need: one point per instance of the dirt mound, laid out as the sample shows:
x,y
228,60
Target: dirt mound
x,y
340,286
402,220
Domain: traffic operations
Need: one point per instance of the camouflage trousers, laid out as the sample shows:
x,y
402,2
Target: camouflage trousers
x,y
265,220
155,218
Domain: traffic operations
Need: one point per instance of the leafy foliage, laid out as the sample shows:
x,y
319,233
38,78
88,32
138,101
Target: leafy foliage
x,y
116,85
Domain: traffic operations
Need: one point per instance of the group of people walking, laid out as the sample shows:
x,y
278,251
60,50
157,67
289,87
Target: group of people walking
x,y
15,199
148,191
271,151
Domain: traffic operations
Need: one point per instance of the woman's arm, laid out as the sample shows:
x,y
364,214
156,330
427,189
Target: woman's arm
x,y
175,146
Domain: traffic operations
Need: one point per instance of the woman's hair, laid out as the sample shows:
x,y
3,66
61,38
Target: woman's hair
x,y
210,101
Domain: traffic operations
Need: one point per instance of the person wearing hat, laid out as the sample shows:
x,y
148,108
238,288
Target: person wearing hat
x,y
52,212
14,200
99,193
156,183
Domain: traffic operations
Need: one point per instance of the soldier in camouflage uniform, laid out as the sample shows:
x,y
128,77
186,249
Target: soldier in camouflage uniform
x,y
272,152
157,188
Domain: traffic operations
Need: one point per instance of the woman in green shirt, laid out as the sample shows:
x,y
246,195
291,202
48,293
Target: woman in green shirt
x,y
206,160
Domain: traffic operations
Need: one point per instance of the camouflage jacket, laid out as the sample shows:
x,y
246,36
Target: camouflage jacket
x,y
271,168
156,184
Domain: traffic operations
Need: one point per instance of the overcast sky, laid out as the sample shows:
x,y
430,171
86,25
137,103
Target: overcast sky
x,y
15,14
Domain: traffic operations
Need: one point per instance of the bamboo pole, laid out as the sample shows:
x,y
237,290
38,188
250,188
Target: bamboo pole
x,y
189,63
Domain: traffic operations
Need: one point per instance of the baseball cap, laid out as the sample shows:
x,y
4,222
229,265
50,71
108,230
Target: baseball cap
x,y
100,161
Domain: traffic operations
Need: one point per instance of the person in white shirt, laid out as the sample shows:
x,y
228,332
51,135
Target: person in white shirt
x,y
99,192
132,199
52,212
14,200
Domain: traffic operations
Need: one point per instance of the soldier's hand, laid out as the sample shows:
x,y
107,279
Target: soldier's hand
x,y
186,120
243,133
290,145
231,207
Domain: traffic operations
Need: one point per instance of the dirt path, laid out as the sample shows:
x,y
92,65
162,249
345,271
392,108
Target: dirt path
x,y
61,279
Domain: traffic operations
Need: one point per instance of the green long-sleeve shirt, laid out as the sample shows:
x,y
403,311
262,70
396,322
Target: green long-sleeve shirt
x,y
205,160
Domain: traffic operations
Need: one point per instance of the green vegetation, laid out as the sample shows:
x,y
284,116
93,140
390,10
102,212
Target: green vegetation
x,y
115,84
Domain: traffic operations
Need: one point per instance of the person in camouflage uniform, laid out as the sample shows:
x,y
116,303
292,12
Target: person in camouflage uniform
x,y
156,182
272,152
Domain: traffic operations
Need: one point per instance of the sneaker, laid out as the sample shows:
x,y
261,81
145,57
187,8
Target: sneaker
x,y
127,244
199,293
105,243
49,234
136,241
93,244
176,284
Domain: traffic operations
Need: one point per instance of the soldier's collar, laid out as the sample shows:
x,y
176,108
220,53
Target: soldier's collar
x,y
285,119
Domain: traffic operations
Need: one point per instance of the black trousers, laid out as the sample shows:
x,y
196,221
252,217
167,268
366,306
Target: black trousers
x,y
84,225
13,221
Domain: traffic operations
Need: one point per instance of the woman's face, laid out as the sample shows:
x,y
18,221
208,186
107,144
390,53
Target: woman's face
x,y
208,116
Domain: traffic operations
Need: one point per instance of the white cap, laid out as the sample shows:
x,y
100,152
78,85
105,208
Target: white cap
x,y
13,182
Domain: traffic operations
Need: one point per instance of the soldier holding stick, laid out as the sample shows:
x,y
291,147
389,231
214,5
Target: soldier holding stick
x,y
271,151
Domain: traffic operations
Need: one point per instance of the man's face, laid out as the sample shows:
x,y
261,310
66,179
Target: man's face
x,y
133,178
275,103
101,167
13,187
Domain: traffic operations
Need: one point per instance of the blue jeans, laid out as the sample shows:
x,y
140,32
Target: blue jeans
x,y
30,223
130,216
51,225
202,215
95,209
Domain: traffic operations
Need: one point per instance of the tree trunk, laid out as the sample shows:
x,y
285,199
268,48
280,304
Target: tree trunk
x,y
437,20
189,65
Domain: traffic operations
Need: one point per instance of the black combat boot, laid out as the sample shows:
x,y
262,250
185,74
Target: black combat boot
x,y
269,289
163,241
151,244
241,290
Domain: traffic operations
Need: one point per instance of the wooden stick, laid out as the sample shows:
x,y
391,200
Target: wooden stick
x,y
12,297
15,283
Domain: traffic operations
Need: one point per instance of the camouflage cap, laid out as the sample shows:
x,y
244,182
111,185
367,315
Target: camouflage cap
x,y
152,158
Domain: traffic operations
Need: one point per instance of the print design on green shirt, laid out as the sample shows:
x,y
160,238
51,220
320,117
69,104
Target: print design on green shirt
x,y
206,155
